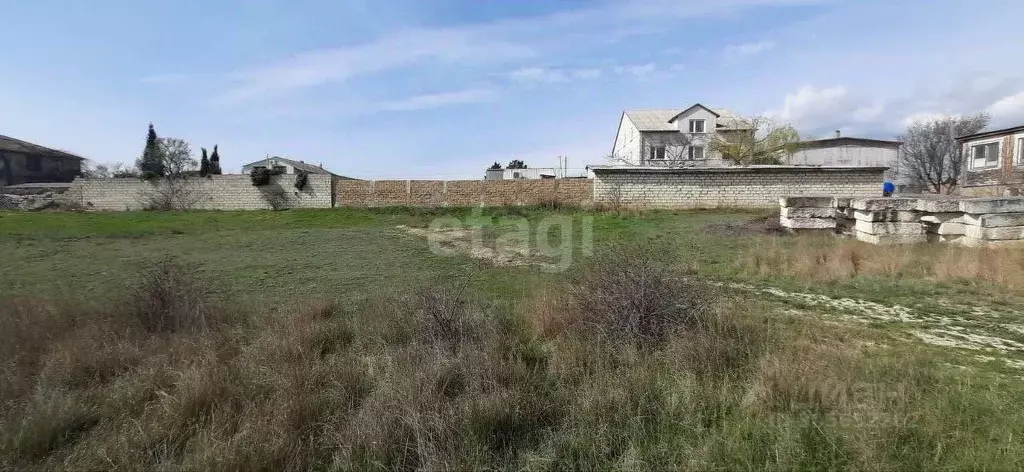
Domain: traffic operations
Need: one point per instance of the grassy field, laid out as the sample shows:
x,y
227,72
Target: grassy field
x,y
339,339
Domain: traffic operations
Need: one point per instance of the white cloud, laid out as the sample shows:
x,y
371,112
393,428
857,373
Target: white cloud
x,y
442,99
810,102
586,73
538,74
640,71
1007,109
750,49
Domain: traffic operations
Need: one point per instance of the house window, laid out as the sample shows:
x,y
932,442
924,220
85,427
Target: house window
x,y
33,163
696,152
657,153
1020,150
985,156
696,126
280,169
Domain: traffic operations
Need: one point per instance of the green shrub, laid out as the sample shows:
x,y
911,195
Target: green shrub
x,y
301,179
261,175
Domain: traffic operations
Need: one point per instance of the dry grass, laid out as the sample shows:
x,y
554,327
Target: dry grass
x,y
829,259
446,380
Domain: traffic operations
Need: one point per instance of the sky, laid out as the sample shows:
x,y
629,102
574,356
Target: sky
x,y
443,88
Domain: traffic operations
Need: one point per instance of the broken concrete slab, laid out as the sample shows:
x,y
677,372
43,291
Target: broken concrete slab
x,y
807,223
891,238
806,202
888,228
938,205
950,217
994,234
995,220
887,215
945,228
884,203
981,206
807,212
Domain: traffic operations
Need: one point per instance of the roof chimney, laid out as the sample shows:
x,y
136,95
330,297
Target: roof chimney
x,y
837,134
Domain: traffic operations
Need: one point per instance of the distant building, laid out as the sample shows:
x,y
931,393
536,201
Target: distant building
x,y
675,137
528,173
993,163
287,166
844,151
24,162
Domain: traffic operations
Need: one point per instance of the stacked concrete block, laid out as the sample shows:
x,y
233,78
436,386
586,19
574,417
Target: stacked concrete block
x,y
844,215
807,214
992,221
942,219
887,220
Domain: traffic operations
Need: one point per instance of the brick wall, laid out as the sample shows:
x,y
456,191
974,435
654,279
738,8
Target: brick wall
x,y
218,192
754,186
462,192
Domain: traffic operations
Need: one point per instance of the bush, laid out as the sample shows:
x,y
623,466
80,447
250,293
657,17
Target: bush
x,y
301,179
634,293
172,298
260,176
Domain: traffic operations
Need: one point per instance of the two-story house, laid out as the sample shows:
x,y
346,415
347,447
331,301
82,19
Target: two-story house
x,y
675,137
993,163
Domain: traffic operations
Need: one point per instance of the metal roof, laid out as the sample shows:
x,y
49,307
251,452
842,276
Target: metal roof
x,y
659,119
989,134
312,169
10,144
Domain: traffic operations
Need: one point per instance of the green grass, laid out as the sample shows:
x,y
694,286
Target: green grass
x,y
319,355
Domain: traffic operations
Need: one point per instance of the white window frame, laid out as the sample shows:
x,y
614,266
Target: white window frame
x,y
1018,142
703,153
652,155
703,126
999,153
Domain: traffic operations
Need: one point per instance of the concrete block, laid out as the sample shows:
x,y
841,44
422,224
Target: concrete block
x,y
884,203
807,223
798,212
945,229
890,238
887,215
845,213
806,202
997,220
994,234
888,228
949,217
938,204
980,206
841,202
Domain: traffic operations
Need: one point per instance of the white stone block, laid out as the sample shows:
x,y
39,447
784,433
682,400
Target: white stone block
x,y
888,228
956,229
993,234
884,203
806,202
945,217
798,212
939,204
979,206
887,215
890,238
807,223
996,220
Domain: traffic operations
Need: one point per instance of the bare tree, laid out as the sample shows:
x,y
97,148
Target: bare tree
x,y
931,156
663,149
760,140
108,170
177,155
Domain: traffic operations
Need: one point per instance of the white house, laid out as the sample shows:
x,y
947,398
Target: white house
x,y
284,166
528,173
675,137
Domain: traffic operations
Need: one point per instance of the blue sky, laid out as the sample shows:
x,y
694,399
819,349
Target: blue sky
x,y
441,89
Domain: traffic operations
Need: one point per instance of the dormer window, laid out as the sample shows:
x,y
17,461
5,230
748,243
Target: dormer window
x,y
696,126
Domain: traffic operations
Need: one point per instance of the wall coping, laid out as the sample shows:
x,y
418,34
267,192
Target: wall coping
x,y
728,170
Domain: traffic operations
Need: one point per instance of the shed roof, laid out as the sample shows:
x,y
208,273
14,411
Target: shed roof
x,y
660,119
10,144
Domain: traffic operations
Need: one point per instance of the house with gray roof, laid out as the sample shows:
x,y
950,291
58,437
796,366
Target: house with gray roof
x,y
677,137
287,166
25,162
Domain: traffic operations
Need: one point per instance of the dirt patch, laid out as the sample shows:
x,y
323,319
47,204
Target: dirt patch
x,y
761,226
466,242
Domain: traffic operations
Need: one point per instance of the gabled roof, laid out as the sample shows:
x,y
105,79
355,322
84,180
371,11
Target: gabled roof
x,y
10,144
661,119
844,141
688,110
312,169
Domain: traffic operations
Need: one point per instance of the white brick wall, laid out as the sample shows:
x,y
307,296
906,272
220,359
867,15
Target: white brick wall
x,y
218,192
730,187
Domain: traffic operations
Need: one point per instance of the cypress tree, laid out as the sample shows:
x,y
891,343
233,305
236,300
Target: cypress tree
x,y
204,164
151,164
215,161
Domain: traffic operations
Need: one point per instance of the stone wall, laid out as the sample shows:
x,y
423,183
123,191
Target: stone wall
x,y
751,186
217,192
430,193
